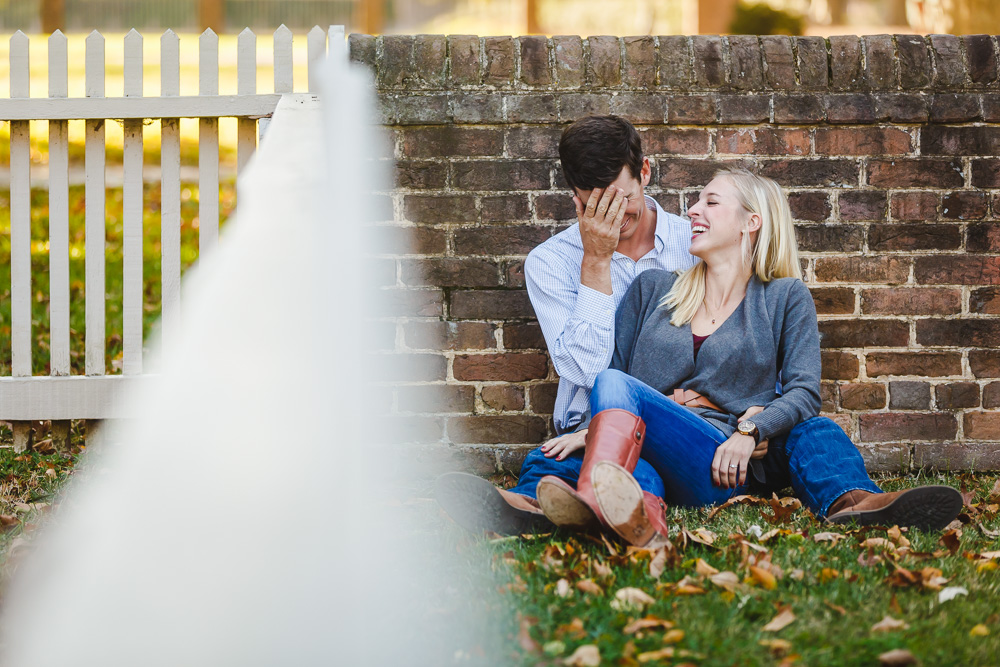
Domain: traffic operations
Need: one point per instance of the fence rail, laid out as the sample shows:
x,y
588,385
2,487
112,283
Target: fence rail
x,y
24,397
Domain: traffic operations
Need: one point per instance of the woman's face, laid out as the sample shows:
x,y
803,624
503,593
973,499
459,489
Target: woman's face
x,y
718,222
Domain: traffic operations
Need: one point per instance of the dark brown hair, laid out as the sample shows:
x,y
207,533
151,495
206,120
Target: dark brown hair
x,y
593,151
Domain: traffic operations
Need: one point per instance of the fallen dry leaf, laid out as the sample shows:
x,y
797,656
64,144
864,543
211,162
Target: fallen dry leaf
x,y
951,593
704,569
563,588
763,577
932,578
704,536
602,569
898,657
836,607
524,638
988,555
738,500
7,522
587,655
662,654
777,647
784,618
783,508
588,586
888,624
994,496
897,537
635,597
727,580
828,537
573,630
951,540
827,574
647,623
878,543
979,630
797,574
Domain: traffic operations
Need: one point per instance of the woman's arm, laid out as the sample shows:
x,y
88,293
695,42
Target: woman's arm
x,y
632,312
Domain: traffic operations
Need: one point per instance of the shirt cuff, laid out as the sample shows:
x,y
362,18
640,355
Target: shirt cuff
x,y
595,307
771,421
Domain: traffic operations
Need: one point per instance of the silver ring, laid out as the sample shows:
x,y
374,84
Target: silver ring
x,y
733,465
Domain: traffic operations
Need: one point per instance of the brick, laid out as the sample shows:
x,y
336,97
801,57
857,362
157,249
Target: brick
x,y
543,397
506,208
573,106
526,336
746,109
885,457
952,457
763,141
961,270
497,429
812,173
420,175
814,206
938,140
983,237
396,240
500,175
991,107
451,141
862,141
503,398
911,301
677,173
499,53
904,236
709,61
981,58
406,367
827,397
464,52
949,69
914,61
991,395
436,398
985,301
956,395
533,142
640,62
862,269
955,108
396,64
880,62
986,173
490,305
907,395
670,141
982,425
449,335
858,205
974,333
845,61
605,61
746,70
891,426
555,207
499,240
476,108
863,396
964,205
670,203
833,300
427,109
439,208
863,333
850,109
674,62
692,109
813,65
779,61
409,303
640,108
902,108
568,51
450,272
430,59
830,238
926,364
362,49
984,363
838,365
535,61
799,109
514,273
914,206
915,173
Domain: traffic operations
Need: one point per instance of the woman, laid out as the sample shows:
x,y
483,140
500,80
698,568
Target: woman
x,y
718,339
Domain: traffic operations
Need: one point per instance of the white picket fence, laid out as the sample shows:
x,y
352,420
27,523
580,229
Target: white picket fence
x,y
61,396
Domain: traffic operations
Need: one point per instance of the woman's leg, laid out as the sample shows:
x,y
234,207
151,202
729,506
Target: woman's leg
x,y
679,444
536,466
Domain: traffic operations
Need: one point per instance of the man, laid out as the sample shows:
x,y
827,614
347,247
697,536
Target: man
x,y
575,281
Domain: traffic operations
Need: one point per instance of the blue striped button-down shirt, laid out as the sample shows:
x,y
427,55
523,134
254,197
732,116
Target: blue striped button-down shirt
x,y
579,322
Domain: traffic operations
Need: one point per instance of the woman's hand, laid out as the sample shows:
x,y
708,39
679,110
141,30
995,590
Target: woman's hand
x,y
729,467
760,451
564,445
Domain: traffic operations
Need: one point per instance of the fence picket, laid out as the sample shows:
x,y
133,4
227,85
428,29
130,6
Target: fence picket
x,y
170,191
132,215
246,66
338,45
20,229
208,147
59,363
317,53
283,81
94,212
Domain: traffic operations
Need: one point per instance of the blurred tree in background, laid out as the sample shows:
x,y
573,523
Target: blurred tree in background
x,y
762,19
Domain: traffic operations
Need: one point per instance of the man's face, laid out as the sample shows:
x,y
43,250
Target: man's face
x,y
633,188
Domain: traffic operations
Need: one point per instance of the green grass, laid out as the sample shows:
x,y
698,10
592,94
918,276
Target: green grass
x,y
834,609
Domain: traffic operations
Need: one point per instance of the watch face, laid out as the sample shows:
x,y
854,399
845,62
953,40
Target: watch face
x,y
746,427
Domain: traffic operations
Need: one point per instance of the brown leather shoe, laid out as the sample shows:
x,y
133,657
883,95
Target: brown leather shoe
x,y
925,507
613,435
478,506
637,516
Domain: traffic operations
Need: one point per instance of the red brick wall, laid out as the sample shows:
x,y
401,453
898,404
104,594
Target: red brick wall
x,y
888,147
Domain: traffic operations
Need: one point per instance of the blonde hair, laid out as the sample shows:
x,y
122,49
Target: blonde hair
x,y
774,254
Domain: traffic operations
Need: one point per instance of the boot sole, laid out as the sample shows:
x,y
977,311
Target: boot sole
x,y
563,505
621,501
476,505
924,508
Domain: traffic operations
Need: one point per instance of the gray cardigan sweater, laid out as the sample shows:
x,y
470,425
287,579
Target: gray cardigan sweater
x,y
772,331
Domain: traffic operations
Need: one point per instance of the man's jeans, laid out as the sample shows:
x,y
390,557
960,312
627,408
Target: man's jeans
x,y
816,458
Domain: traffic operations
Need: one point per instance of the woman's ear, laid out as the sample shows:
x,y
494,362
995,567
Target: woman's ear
x,y
754,223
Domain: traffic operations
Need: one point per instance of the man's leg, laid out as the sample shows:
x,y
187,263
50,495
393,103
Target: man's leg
x,y
536,465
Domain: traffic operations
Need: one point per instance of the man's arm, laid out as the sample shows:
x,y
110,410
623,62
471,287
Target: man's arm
x,y
600,224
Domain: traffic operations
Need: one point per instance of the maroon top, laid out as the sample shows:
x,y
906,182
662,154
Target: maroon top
x,y
698,340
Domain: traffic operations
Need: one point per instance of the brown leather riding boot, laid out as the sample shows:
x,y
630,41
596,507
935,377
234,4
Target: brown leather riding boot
x,y
613,435
925,507
637,516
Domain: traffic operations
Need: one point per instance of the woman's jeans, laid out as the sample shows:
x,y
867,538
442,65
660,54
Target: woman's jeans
x,y
816,458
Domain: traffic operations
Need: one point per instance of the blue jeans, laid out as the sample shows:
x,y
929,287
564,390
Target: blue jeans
x,y
816,458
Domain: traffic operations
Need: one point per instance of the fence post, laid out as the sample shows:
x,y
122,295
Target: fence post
x,y
170,191
132,297
208,147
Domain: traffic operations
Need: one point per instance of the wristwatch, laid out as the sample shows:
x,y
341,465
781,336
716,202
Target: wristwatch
x,y
747,427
